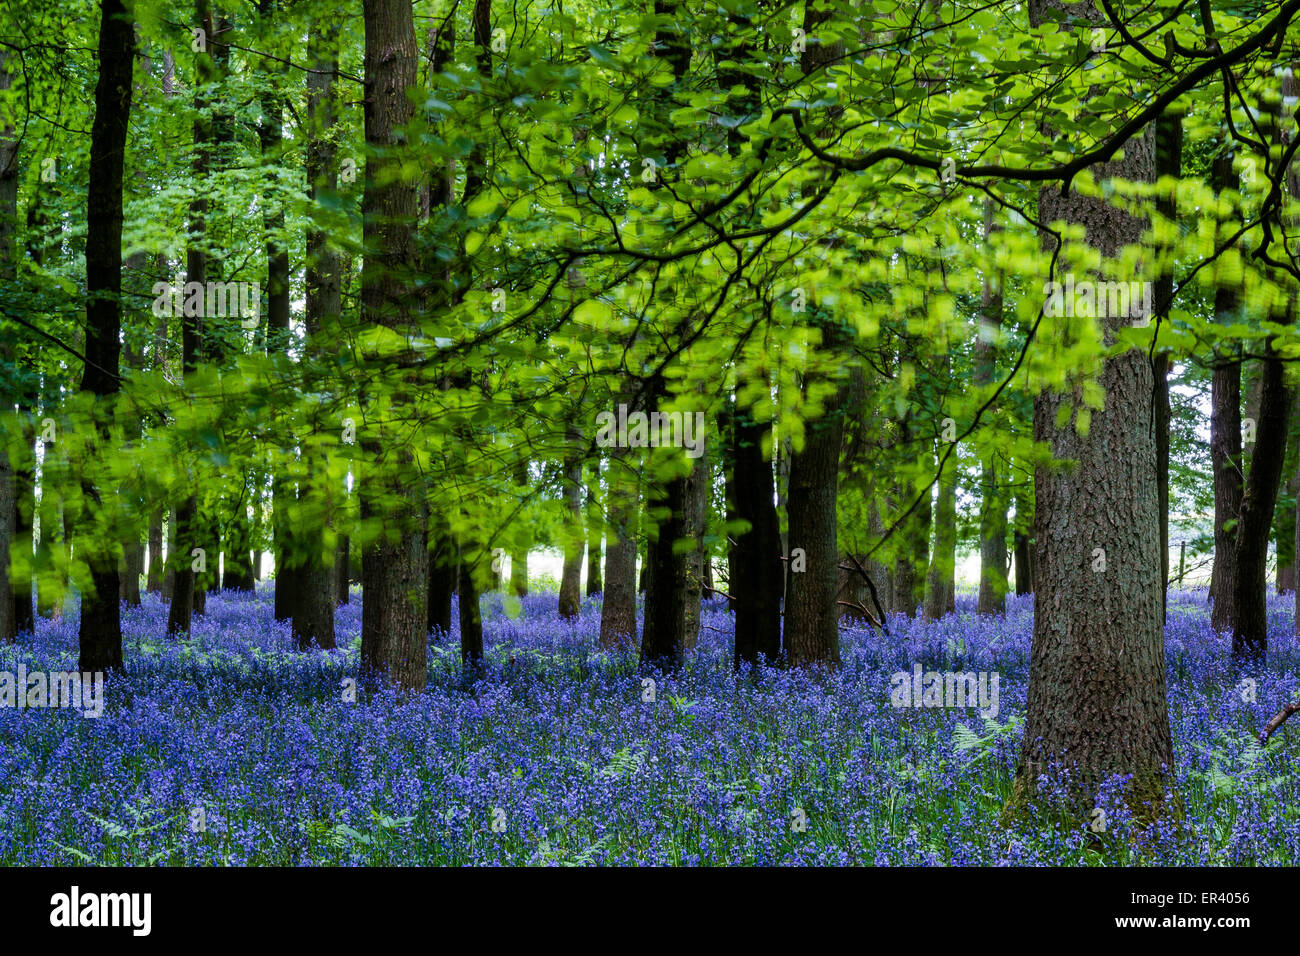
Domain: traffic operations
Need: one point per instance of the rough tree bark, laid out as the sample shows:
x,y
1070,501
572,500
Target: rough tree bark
x,y
393,568
1097,701
100,631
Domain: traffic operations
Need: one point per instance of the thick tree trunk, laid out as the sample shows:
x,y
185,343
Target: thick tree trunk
x,y
394,569
100,631
811,610
1097,701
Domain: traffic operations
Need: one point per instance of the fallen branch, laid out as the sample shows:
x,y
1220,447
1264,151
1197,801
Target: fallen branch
x,y
862,609
1278,720
875,598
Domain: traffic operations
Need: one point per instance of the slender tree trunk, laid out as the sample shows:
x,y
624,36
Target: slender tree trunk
x,y
1259,496
571,574
1024,545
1225,443
186,518
131,566
941,587
756,570
993,503
595,537
313,612
153,583
1169,162
663,638
1250,621
343,569
169,565
694,527
443,558
9,484
471,617
100,631
618,603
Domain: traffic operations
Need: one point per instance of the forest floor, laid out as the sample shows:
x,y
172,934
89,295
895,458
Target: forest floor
x,y
233,748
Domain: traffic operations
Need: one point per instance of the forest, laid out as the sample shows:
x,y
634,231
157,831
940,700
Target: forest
x,y
649,432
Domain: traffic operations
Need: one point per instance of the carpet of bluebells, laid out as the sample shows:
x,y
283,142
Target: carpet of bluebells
x,y
232,748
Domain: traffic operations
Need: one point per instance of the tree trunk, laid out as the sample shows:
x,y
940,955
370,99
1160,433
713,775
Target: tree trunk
x,y
941,587
618,603
1097,701
1024,536
471,616
1169,155
993,503
101,624
1225,442
756,568
1284,513
169,565
698,485
9,484
811,608
663,637
153,583
313,612
394,570
441,579
571,574
1249,595
595,537
342,569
